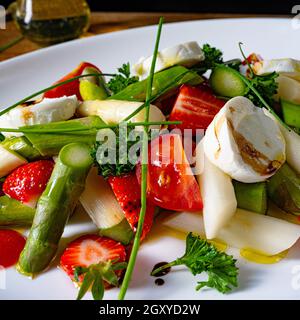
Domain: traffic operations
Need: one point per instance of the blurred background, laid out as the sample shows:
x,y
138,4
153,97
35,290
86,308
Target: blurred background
x,y
218,6
32,24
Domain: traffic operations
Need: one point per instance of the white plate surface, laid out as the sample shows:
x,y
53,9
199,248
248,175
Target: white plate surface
x,y
272,38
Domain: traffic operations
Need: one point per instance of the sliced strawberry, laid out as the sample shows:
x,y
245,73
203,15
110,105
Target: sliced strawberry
x,y
71,88
195,107
11,245
90,250
28,182
166,103
1,190
128,193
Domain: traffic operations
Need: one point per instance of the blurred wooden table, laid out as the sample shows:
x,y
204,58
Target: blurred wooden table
x,y
102,22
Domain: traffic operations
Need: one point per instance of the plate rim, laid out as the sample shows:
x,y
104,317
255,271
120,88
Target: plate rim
x,y
6,63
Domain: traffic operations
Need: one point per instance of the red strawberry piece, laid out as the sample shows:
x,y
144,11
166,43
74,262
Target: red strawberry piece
x,y
71,88
128,193
195,107
28,182
11,245
1,190
165,104
170,184
88,250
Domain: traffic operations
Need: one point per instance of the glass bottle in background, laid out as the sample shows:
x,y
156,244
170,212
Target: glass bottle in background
x,y
52,21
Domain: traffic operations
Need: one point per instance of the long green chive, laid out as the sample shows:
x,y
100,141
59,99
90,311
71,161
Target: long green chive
x,y
53,87
249,84
245,58
108,126
136,242
11,43
153,98
270,109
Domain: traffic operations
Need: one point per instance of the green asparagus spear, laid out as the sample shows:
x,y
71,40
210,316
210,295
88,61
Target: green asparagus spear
x,y
54,208
291,113
49,144
162,82
14,213
251,196
23,147
284,189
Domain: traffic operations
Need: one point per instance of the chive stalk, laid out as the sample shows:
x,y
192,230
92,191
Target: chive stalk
x,y
168,79
45,129
159,93
49,144
265,104
136,242
53,87
11,43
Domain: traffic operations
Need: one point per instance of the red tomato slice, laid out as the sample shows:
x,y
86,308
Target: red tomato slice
x,y
171,184
11,245
71,88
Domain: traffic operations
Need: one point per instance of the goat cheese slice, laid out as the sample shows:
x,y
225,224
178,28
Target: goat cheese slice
x,y
245,143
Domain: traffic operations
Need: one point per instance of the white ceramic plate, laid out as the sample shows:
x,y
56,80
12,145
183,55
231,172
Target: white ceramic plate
x,y
272,38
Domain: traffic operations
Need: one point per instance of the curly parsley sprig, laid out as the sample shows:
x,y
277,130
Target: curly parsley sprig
x,y
212,56
201,256
121,80
123,161
265,84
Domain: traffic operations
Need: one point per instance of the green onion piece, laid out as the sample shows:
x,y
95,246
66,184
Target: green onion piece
x,y
106,126
160,93
52,87
11,43
265,104
136,242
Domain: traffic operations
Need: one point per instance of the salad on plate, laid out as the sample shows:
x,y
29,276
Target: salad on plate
x,y
182,138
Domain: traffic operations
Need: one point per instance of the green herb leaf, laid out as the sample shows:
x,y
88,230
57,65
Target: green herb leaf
x,y
109,275
2,138
119,266
78,272
266,85
95,275
86,283
212,55
98,288
124,162
201,256
121,80
261,100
